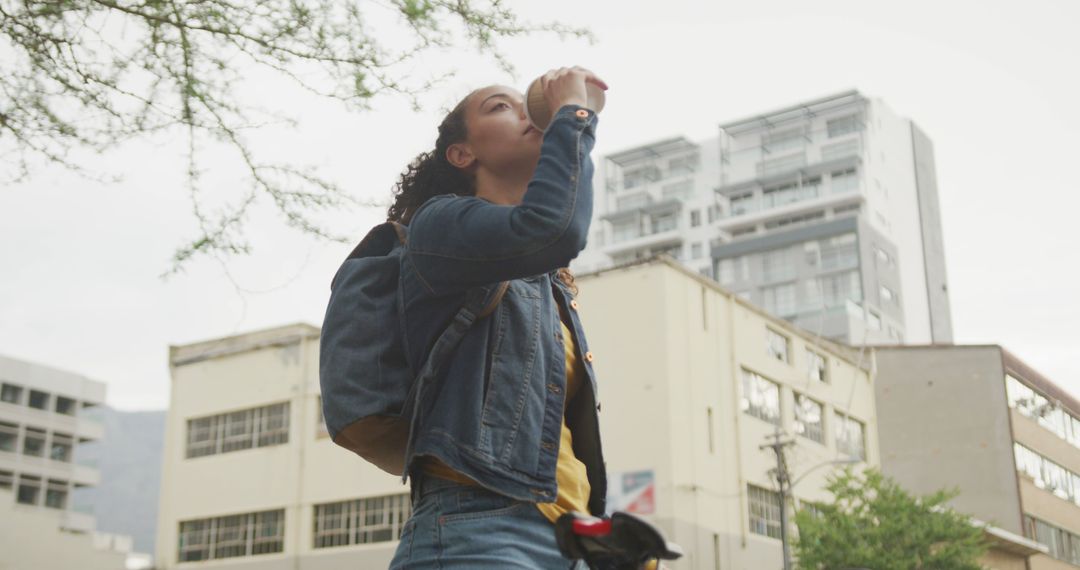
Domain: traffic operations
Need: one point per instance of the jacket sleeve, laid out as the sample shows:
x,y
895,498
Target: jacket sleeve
x,y
457,242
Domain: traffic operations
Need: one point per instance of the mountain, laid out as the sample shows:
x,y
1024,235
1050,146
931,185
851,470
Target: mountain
x,y
129,458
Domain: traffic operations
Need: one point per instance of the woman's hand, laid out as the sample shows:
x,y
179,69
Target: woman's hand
x,y
566,86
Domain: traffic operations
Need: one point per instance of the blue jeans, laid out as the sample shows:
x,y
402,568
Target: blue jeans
x,y
459,527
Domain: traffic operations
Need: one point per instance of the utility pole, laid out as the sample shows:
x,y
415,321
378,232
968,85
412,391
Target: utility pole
x,y
783,478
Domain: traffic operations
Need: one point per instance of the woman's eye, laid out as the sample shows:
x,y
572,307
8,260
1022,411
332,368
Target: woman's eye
x,y
500,104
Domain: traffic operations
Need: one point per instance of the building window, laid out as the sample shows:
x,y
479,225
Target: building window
x,y
776,345
850,436
795,220
11,394
682,164
664,222
235,431
779,264
760,397
849,209
9,437
679,190
640,176
1062,544
764,511
808,419
232,536
734,269
29,489
34,442
60,449
7,479
783,140
56,494
361,521
843,125
834,291
844,181
816,366
625,230
633,201
776,196
781,164
1047,474
695,218
743,204
840,150
696,250
65,406
1036,406
780,300
839,252
39,400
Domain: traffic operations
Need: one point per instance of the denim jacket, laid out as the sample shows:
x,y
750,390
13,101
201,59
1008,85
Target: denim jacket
x,y
494,413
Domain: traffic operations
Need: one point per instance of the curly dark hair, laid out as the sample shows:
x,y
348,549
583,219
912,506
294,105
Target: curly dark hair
x,y
430,174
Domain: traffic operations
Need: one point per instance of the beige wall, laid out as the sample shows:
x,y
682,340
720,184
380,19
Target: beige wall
x,y
669,347
294,476
1002,560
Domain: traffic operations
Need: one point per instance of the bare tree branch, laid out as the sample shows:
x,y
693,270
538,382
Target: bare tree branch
x,y
93,74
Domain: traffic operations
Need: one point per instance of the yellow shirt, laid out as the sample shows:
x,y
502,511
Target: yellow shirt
x,y
571,475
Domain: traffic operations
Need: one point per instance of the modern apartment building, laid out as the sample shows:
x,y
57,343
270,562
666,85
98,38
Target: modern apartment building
x,y
824,213
979,419
250,478
44,414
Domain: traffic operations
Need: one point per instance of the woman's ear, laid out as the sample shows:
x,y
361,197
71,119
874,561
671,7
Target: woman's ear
x,y
460,155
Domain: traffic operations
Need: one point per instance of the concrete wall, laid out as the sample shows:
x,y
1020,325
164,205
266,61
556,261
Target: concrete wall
x,y
943,422
295,476
933,240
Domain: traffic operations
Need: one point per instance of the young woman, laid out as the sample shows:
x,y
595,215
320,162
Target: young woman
x,y
507,437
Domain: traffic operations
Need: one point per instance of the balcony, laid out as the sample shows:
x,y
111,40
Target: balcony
x,y
731,223
666,238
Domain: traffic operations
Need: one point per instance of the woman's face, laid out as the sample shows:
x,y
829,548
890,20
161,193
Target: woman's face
x,y
500,138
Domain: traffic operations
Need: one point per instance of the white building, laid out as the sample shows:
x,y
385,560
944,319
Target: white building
x,y
250,478
824,213
693,380
44,414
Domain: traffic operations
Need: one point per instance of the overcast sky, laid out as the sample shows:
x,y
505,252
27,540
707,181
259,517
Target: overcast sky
x,y
993,84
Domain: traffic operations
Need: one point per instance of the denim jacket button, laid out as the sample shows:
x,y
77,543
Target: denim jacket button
x,y
554,388
574,304
589,356
582,114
